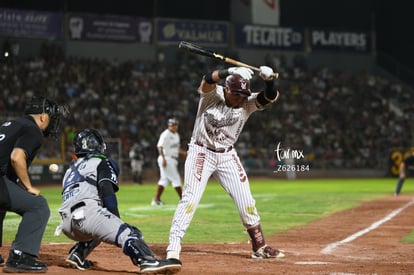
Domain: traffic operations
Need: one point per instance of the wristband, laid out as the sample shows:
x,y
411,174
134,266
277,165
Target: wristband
x,y
209,78
223,73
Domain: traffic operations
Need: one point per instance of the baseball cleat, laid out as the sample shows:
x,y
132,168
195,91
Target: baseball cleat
x,y
267,252
21,262
1,261
76,261
169,266
156,203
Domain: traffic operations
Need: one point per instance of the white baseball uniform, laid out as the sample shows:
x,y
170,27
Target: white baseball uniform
x,y
211,153
170,143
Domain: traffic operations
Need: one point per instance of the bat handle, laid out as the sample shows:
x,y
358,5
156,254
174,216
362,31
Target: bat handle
x,y
241,64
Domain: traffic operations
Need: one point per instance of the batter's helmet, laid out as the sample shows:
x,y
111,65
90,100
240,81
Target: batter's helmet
x,y
88,141
238,85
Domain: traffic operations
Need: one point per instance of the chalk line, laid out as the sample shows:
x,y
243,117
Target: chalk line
x,y
330,247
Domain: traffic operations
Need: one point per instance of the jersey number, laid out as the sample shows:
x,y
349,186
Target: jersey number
x,y
397,157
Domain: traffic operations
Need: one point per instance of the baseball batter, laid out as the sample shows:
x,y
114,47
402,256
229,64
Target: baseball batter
x,y
169,149
222,113
90,213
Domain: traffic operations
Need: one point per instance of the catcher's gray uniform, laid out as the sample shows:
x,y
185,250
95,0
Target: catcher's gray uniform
x,y
90,211
83,215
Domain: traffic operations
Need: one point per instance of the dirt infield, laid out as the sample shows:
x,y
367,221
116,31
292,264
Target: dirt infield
x,y
364,240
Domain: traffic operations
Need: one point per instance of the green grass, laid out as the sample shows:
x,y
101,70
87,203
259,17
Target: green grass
x,y
282,205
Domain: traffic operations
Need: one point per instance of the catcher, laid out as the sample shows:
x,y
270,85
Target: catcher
x,y
90,213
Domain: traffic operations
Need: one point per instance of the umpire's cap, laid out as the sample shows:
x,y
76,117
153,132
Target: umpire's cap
x,y
238,85
39,105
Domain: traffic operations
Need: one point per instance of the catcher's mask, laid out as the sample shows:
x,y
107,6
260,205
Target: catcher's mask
x,y
88,141
238,85
40,105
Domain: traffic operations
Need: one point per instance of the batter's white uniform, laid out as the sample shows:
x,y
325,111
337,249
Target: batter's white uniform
x,y
170,143
211,153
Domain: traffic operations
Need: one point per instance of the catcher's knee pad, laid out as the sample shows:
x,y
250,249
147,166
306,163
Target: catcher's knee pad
x,y
133,244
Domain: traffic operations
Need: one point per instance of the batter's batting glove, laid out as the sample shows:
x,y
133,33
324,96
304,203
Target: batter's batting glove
x,y
246,73
266,73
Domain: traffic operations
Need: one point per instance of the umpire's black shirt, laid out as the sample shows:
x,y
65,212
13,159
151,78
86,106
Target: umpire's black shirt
x,y
19,133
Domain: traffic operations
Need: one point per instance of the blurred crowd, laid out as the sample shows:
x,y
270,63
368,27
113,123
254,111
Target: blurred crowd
x,y
337,118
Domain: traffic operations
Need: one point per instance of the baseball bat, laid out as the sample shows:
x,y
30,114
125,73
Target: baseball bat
x,y
191,47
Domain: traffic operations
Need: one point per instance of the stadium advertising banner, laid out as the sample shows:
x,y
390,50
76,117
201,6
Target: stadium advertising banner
x,y
270,37
340,40
30,24
171,31
109,28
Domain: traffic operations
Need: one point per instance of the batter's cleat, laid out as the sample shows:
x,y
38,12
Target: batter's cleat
x,y
1,261
156,202
267,252
169,266
75,260
20,262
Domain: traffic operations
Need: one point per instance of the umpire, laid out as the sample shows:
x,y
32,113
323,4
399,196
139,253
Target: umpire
x,y
20,140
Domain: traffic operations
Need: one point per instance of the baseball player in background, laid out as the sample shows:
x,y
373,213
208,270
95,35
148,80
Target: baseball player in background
x,y
20,140
404,166
90,213
222,113
169,150
136,156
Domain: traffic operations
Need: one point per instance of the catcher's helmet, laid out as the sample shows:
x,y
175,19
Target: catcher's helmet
x,y
238,85
88,141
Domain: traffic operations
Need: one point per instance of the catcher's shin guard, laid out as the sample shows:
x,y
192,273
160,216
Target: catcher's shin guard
x,y
138,251
135,246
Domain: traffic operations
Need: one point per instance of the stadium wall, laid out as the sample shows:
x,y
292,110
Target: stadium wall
x,y
335,60
148,52
111,51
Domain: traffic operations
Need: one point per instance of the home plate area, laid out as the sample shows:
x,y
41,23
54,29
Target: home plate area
x,y
361,241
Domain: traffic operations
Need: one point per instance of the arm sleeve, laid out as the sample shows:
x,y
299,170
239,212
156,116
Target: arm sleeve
x,y
269,95
108,186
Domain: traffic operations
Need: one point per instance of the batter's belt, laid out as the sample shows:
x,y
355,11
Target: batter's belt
x,y
222,150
